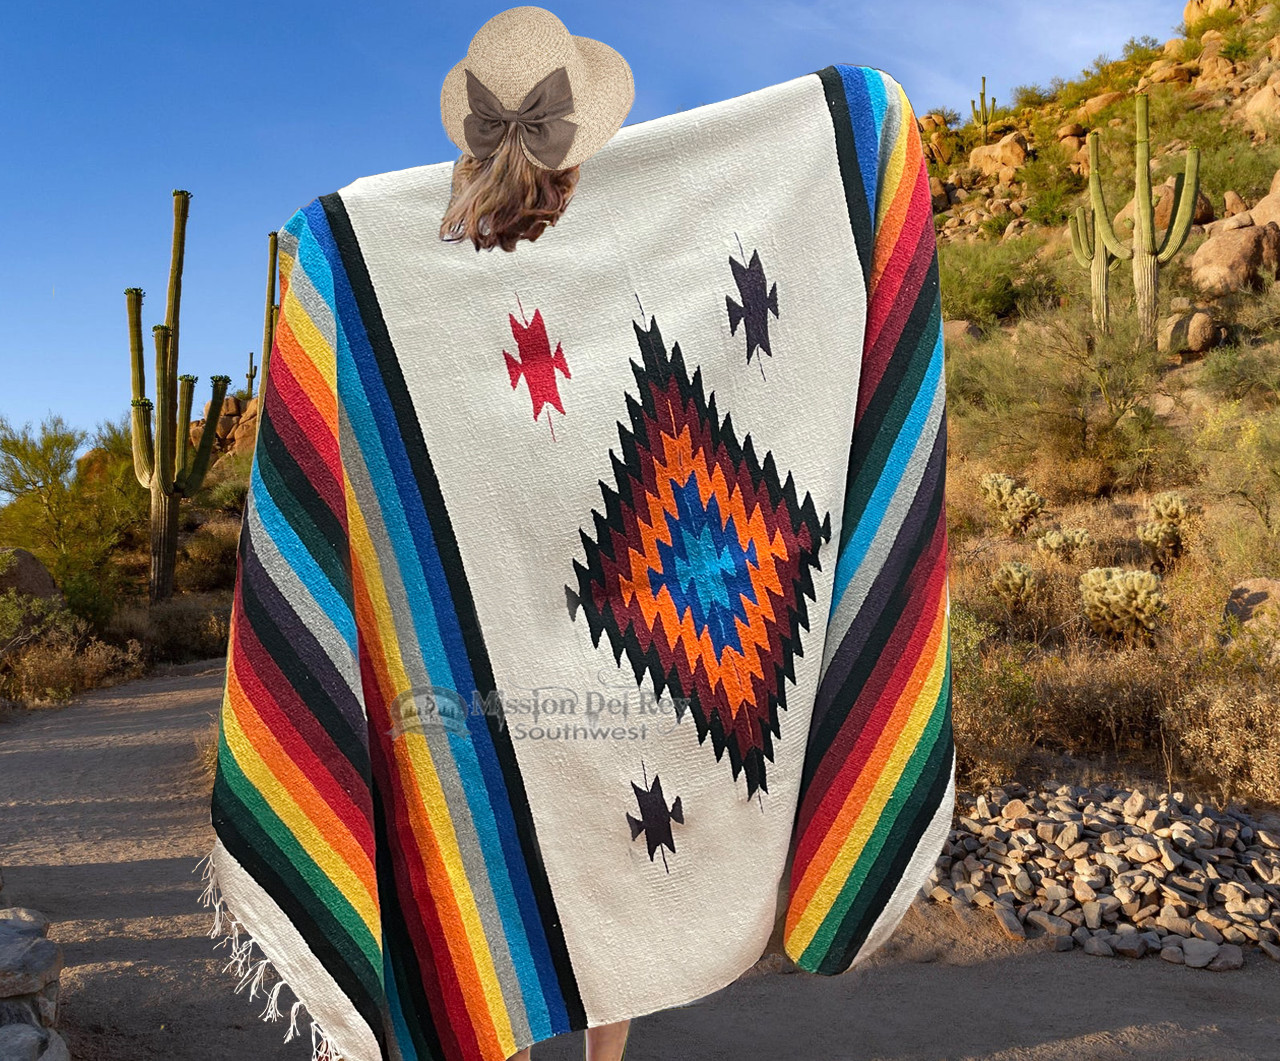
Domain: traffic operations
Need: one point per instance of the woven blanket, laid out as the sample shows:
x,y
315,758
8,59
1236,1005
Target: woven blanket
x,y
591,615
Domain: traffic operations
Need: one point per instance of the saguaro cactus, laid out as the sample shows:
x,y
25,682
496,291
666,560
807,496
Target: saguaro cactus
x,y
250,376
1091,251
164,461
1147,257
269,320
984,115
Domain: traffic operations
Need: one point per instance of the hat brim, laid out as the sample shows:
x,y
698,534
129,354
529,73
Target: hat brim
x,y
604,91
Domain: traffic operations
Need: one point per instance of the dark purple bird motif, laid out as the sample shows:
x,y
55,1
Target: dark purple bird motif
x,y
756,305
655,817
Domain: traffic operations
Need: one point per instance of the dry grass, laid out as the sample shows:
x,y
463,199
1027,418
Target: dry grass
x,y
188,627
1037,692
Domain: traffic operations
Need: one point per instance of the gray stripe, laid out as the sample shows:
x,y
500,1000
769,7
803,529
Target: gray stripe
x,y
318,309
477,872
313,616
899,504
888,136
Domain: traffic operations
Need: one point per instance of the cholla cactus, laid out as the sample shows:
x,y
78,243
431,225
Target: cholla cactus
x,y
1016,506
1163,537
1122,603
1016,583
1064,544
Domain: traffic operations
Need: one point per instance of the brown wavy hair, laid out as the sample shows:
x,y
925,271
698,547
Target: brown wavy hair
x,y
502,199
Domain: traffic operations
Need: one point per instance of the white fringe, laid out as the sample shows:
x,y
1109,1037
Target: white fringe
x,y
252,970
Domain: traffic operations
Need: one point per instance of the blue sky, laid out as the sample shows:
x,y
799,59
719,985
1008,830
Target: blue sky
x,y
257,108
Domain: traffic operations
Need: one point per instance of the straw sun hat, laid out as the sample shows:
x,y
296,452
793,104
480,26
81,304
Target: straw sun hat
x,y
524,74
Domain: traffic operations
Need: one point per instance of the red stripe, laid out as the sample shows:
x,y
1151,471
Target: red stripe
x,y
895,296
307,437
847,756
449,1014
313,750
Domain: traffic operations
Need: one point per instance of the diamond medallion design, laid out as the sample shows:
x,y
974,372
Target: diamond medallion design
x,y
701,562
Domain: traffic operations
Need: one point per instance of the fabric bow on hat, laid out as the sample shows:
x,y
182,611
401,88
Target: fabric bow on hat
x,y
545,132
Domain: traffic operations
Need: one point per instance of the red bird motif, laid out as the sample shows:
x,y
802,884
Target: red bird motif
x,y
536,363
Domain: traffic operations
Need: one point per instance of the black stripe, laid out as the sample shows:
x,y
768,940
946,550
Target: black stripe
x,y
399,945
902,843
907,367
306,510
250,845
855,192
460,591
900,566
302,662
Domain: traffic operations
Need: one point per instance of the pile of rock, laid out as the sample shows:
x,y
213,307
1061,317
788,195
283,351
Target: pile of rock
x,y
1116,873
29,968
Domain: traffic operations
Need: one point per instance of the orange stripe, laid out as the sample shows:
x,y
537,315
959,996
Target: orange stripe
x,y
299,787
430,858
895,216
845,821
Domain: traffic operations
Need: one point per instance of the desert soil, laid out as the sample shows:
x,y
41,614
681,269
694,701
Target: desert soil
x,y
104,817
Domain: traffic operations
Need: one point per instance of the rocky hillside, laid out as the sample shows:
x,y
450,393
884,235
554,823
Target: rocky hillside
x,y
1227,61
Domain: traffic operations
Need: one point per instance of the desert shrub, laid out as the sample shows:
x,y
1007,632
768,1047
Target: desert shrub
x,y
1221,20
226,487
993,227
185,628
1052,185
47,653
1143,50
985,282
1017,506
1238,372
1242,460
1235,45
1230,738
1122,604
1016,584
207,558
949,115
1031,96
1064,544
994,701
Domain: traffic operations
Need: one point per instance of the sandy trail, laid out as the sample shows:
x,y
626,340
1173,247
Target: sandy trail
x,y
103,818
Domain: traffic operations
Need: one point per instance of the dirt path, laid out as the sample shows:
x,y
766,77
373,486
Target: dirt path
x,y
103,818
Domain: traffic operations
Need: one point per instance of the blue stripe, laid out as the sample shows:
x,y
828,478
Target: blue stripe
x,y
863,87
300,560
369,409
404,1040
909,438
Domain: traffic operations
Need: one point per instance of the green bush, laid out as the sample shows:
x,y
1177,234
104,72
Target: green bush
x,y
986,282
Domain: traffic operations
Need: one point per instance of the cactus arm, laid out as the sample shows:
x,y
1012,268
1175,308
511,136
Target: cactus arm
x,y
181,208
1101,218
269,314
186,391
1178,229
143,453
164,420
191,479
133,307
1076,225
1143,208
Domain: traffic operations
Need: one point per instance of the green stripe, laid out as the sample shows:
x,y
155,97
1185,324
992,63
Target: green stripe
x,y
340,913
313,538
872,463
823,938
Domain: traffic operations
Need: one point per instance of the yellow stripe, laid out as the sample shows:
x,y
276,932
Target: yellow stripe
x,y
897,158
296,821
427,786
318,349
825,894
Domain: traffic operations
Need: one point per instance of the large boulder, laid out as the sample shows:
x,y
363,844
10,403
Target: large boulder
x,y
1262,112
1002,158
1236,260
1195,10
21,571
1192,332
1090,107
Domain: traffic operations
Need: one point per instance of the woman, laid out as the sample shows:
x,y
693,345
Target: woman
x,y
520,167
